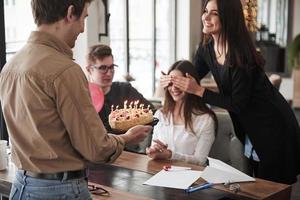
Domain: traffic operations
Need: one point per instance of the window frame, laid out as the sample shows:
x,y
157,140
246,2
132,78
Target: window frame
x,y
154,39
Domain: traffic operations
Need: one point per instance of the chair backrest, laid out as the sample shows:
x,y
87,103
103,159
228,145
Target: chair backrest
x,y
227,146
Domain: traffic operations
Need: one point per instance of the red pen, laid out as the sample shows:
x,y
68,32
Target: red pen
x,y
175,168
167,167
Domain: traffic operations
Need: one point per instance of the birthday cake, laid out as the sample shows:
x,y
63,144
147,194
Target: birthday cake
x,y
127,117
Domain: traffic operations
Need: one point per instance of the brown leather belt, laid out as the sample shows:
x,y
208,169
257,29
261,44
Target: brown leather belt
x,y
57,176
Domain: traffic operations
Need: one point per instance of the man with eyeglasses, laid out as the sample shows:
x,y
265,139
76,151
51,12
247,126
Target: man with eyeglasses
x,y
52,124
101,70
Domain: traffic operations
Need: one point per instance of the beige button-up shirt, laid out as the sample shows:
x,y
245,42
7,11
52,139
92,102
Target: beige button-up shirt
x,y
52,124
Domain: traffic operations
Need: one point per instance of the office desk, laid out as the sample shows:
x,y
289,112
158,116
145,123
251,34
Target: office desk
x,y
124,178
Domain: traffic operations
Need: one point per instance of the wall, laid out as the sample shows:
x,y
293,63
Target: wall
x,y
188,28
195,25
90,35
296,17
183,30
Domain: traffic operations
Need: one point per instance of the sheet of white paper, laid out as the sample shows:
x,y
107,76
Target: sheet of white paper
x,y
220,172
180,179
218,164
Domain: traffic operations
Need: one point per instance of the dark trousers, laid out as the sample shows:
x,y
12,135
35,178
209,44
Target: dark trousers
x,y
253,167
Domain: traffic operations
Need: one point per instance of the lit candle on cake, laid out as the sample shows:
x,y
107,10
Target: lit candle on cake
x,y
130,105
112,108
136,104
125,104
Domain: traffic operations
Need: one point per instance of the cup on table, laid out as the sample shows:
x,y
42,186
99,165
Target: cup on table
x,y
3,155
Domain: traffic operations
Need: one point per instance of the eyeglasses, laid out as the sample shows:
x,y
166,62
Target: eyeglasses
x,y
98,190
104,68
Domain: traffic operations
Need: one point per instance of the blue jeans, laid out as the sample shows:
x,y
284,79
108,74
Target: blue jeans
x,y
25,187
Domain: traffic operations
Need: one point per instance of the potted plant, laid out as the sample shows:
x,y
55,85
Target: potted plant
x,y
294,66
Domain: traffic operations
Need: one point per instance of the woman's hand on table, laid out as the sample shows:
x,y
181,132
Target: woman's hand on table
x,y
159,150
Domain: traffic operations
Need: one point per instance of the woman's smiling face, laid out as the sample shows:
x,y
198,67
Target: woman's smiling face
x,y
210,19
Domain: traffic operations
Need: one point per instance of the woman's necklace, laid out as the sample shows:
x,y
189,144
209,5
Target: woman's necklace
x,y
220,56
220,52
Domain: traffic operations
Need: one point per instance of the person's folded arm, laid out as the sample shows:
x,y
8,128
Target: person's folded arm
x,y
241,87
86,131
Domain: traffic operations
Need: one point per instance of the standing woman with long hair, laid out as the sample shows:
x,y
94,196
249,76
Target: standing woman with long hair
x,y
263,120
186,127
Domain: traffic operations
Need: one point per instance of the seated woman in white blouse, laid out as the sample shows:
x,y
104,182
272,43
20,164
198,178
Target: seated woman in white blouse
x,y
186,127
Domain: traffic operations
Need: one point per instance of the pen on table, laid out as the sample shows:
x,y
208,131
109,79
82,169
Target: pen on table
x,y
171,168
199,187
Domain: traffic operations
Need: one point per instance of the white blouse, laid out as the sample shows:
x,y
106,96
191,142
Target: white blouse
x,y
185,145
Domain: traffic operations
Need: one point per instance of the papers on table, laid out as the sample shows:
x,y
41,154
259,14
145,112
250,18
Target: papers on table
x,y
220,172
183,177
176,177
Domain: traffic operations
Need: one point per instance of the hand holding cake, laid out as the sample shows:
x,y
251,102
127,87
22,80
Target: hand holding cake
x,y
136,134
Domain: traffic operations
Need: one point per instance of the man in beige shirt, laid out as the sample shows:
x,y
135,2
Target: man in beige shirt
x,y
53,127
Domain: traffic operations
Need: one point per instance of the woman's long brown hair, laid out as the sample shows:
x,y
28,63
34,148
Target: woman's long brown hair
x,y
192,104
234,33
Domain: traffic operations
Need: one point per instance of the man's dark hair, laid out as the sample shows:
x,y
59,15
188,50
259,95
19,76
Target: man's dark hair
x,y
51,11
98,51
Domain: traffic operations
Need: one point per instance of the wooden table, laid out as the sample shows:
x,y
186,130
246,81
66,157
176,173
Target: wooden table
x,y
124,178
129,180
260,189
